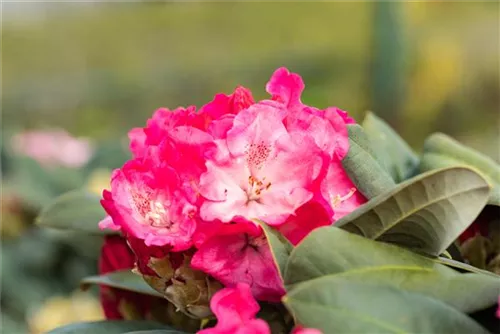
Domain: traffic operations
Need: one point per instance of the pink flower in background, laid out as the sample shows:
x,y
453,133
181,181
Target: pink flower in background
x,y
241,255
235,310
53,148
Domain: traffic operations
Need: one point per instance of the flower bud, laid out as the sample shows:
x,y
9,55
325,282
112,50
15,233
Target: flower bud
x,y
188,289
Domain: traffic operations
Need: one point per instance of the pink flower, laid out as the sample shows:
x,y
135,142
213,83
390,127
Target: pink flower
x,y
248,180
165,122
219,114
302,330
286,88
338,189
334,195
345,116
147,203
181,126
235,309
227,104
241,254
179,139
307,218
137,138
327,127
107,222
198,179
53,148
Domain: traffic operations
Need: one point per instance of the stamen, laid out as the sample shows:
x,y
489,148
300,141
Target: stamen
x,y
337,199
158,207
256,187
153,213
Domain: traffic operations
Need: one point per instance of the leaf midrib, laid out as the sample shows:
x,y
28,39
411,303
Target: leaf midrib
x,y
415,209
360,271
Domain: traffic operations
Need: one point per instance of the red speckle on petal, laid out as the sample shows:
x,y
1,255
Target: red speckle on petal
x,y
257,154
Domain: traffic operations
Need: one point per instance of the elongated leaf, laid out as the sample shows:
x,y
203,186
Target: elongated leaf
x,y
330,250
280,246
426,213
30,182
363,167
76,210
37,186
396,156
443,151
124,279
108,327
341,306
464,267
465,292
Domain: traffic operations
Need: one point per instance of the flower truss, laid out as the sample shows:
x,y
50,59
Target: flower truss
x,y
200,180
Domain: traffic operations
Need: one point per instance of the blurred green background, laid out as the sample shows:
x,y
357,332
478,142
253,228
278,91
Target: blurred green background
x,y
99,69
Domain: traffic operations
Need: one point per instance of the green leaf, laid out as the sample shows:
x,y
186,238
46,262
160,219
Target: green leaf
x,y
464,267
30,182
124,279
109,327
426,213
280,246
391,150
361,163
330,250
76,210
340,306
443,151
328,253
465,292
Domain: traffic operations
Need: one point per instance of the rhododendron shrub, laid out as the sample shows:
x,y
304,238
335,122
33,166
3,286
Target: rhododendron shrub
x,y
274,216
199,181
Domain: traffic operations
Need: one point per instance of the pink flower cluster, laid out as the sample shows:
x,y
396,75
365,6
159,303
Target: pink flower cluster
x,y
199,180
